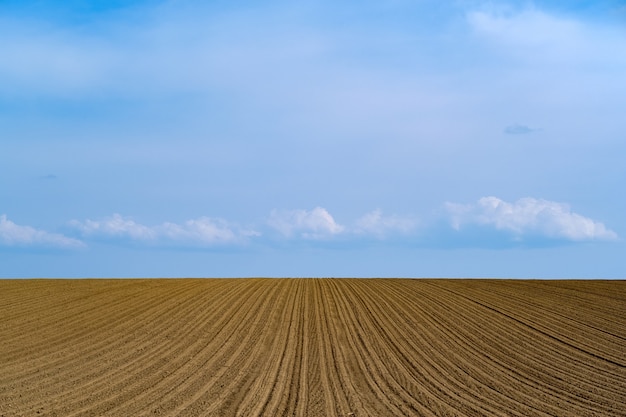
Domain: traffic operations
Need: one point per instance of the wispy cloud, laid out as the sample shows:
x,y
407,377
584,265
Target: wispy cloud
x,y
528,218
375,223
204,231
15,235
115,226
319,224
536,35
527,27
146,50
519,130
308,224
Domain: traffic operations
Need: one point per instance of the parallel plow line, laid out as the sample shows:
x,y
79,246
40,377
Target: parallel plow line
x,y
312,347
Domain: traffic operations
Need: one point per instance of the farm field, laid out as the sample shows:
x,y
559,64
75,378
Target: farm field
x,y
312,347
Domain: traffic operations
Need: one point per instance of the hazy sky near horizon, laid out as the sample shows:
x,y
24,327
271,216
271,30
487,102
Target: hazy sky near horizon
x,y
313,138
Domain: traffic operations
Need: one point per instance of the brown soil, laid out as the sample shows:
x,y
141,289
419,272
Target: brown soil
x,y
312,347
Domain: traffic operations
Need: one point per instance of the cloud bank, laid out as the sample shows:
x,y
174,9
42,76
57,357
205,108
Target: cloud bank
x,y
204,231
528,218
489,222
14,235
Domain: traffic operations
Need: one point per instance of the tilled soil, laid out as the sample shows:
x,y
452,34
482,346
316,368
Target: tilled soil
x,y
312,347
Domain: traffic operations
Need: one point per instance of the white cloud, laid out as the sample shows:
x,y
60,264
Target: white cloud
x,y
197,232
529,217
115,226
204,230
313,224
14,235
320,224
375,223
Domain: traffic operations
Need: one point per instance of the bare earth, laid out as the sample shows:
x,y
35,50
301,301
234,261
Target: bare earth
x,y
312,347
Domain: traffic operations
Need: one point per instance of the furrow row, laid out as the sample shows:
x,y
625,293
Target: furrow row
x,y
563,323
312,347
545,363
478,386
147,352
89,341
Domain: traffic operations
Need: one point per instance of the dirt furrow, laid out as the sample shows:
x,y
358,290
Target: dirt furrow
x,y
109,349
229,371
150,362
188,362
544,370
553,322
274,379
367,370
414,351
503,306
56,323
485,366
337,392
471,390
206,322
48,370
312,347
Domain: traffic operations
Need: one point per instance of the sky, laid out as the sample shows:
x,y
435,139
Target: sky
x,y
397,138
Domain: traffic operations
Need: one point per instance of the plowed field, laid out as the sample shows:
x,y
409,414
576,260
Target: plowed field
x,y
312,347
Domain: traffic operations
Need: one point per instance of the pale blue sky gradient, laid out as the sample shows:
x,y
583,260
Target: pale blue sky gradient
x,y
395,138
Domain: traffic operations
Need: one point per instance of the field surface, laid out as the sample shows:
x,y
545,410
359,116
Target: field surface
x,y
312,347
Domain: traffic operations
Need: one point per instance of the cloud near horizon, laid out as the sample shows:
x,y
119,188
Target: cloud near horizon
x,y
319,224
376,224
203,231
14,235
308,224
528,218
488,221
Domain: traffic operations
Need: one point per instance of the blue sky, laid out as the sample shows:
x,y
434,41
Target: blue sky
x,y
314,138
